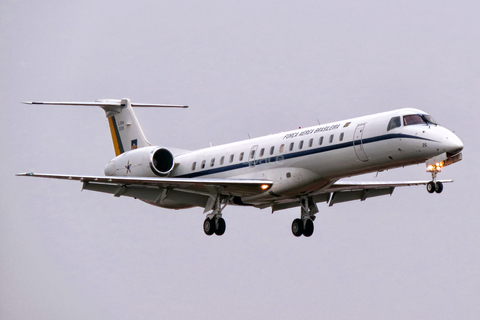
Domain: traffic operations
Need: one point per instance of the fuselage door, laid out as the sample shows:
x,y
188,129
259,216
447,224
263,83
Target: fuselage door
x,y
358,143
252,156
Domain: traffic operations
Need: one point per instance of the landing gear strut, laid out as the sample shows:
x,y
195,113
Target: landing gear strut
x,y
304,225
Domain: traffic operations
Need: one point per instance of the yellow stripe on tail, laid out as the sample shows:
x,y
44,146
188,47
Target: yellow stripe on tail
x,y
117,144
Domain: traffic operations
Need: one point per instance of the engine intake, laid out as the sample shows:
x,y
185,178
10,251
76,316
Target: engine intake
x,y
161,161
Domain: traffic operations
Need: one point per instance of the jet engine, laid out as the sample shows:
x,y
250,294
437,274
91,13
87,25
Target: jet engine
x,y
143,162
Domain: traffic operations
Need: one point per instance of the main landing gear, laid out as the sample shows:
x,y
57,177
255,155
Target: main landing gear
x,y
304,226
214,223
434,185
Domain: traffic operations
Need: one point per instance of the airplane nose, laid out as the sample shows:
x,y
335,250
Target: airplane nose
x,y
453,144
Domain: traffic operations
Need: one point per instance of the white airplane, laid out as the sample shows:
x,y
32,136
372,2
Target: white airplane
x,y
298,168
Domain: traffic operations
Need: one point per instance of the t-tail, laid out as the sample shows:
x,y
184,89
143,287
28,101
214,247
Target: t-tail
x,y
124,127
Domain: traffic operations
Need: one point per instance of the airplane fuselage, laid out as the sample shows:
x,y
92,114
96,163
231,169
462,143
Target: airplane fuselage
x,y
306,160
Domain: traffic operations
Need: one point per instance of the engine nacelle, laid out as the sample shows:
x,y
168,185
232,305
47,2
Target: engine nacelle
x,y
143,162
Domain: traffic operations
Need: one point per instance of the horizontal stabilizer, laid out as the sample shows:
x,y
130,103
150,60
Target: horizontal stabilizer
x,y
104,103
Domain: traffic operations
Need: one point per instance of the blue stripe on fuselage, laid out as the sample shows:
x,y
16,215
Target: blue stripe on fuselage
x,y
300,154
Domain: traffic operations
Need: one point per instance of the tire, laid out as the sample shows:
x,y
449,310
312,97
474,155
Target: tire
x,y
431,187
309,227
209,226
297,227
222,226
438,187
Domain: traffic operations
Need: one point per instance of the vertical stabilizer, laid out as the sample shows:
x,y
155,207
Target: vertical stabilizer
x,y
124,127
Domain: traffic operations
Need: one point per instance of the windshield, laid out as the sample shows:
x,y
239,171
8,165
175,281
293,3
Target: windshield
x,y
429,119
418,119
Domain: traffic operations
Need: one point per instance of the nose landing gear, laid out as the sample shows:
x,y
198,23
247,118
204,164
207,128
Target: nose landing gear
x,y
434,185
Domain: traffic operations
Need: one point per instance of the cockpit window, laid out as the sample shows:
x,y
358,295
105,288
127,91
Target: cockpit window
x,y
394,123
413,119
418,119
430,119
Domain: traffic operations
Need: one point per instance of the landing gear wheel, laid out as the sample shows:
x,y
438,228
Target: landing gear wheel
x,y
221,227
297,227
431,187
308,231
209,226
438,187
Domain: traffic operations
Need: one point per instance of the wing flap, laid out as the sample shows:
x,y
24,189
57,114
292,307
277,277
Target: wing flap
x,y
173,198
362,195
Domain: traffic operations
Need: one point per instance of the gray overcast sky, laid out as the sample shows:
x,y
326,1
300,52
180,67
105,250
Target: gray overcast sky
x,y
243,67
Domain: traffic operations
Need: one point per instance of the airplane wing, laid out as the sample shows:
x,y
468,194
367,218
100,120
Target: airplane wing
x,y
187,190
196,192
344,190
344,185
238,187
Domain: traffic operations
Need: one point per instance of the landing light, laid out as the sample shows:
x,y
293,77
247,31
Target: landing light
x,y
437,167
265,186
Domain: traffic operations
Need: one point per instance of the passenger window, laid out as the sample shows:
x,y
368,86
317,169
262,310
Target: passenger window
x,y
194,165
212,162
252,154
320,142
281,148
222,159
291,146
300,145
262,151
240,157
394,123
331,138
341,137
231,158
203,164
272,150
310,143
